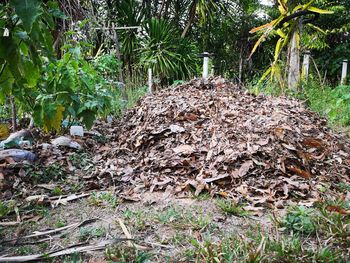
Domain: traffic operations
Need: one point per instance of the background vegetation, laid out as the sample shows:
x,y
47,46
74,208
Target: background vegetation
x,y
65,59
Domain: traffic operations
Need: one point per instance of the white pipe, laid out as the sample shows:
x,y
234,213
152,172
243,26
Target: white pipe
x,y
205,65
150,81
344,72
306,65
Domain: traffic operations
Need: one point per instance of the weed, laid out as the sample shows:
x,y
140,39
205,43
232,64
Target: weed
x,y
86,233
53,172
60,223
171,214
300,220
103,199
179,238
56,191
122,254
7,207
196,221
203,196
44,246
38,209
74,258
231,208
80,159
136,218
334,225
344,186
102,139
25,250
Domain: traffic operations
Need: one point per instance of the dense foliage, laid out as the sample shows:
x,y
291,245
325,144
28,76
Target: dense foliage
x,y
65,59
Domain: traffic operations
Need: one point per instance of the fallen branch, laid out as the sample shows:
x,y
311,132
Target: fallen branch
x,y
66,251
129,237
52,231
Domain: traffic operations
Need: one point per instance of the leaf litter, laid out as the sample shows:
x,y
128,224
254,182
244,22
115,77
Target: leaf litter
x,y
217,137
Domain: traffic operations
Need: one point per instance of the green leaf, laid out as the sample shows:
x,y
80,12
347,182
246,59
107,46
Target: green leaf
x,y
319,11
264,76
88,117
53,117
278,48
31,73
27,11
6,83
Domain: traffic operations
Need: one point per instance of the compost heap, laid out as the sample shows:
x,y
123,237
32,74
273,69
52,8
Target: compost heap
x,y
217,137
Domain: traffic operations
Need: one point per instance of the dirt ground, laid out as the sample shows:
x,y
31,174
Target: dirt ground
x,y
159,225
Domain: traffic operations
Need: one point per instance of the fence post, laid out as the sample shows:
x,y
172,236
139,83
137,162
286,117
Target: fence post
x,y
306,65
150,81
205,65
344,72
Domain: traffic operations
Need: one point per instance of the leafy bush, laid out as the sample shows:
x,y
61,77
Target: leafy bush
x,y
169,55
49,89
70,88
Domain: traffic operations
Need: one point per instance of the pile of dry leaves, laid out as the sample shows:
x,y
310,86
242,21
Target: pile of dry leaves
x,y
199,137
219,138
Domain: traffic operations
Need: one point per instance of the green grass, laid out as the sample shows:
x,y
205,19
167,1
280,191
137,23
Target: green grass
x,y
87,233
231,208
103,199
124,254
330,102
333,103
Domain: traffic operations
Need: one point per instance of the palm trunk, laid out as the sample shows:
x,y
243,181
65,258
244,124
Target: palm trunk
x,y
294,63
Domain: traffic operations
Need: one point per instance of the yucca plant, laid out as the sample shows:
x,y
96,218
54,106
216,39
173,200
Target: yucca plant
x,y
288,26
168,55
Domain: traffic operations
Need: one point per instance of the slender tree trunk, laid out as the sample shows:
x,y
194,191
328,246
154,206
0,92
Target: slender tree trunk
x,y
240,70
161,9
14,113
191,17
294,63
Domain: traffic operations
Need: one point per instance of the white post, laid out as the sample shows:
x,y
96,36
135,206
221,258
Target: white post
x,y
306,65
344,72
150,81
205,65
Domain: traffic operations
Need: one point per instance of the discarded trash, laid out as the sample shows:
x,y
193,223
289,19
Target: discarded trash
x,y
77,131
109,119
17,139
65,141
17,155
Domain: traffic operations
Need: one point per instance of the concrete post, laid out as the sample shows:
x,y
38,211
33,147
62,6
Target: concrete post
x,y
6,32
205,65
306,65
344,72
150,81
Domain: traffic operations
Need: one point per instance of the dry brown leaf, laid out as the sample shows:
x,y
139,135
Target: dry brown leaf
x,y
337,209
303,173
183,149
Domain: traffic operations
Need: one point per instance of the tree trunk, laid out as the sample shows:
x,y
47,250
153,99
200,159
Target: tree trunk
x,y
294,63
240,70
191,17
14,113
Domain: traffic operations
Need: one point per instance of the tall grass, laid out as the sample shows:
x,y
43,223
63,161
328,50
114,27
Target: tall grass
x,y
330,102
